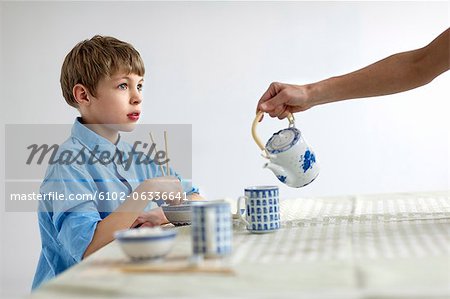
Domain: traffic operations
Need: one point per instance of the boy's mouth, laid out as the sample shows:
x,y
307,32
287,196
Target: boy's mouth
x,y
133,116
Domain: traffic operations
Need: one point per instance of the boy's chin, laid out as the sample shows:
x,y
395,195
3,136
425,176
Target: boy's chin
x,y
127,127
123,127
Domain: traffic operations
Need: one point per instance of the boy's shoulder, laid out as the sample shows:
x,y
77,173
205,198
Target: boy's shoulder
x,y
74,153
64,155
70,148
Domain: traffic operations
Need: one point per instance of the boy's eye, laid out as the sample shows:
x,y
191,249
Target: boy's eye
x,y
123,86
140,86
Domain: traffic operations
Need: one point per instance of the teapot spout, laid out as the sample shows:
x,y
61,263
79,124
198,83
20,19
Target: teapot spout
x,y
277,170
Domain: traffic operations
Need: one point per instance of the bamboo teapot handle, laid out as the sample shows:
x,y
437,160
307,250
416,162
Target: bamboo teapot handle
x,y
255,135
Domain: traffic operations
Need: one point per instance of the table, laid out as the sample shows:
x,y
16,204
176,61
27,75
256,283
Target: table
x,y
358,246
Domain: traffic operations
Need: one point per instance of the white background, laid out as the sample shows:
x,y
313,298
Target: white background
x,y
208,64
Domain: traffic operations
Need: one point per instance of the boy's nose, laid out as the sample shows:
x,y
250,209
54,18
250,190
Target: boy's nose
x,y
136,98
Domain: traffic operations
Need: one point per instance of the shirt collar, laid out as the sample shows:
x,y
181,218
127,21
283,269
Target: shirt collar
x,y
90,139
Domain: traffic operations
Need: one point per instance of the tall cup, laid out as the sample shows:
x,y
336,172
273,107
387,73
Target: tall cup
x,y
211,229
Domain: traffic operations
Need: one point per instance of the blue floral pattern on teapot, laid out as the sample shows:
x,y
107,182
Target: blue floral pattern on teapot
x,y
291,159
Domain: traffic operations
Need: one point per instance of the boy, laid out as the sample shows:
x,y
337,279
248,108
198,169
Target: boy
x,y
103,79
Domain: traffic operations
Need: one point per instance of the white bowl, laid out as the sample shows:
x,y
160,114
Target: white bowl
x,y
178,215
146,242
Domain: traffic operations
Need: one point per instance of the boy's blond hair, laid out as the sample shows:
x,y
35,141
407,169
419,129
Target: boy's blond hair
x,y
91,60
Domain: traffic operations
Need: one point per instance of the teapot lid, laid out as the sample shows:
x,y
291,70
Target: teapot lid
x,y
283,140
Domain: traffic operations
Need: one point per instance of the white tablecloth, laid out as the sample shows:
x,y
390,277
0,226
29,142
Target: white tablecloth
x,y
375,246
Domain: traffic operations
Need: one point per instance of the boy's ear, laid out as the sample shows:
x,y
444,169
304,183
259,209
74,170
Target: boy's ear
x,y
81,94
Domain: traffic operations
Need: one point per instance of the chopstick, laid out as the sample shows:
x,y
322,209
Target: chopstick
x,y
167,153
160,166
176,269
167,172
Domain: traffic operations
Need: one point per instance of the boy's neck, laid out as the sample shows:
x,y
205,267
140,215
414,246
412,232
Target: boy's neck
x,y
105,131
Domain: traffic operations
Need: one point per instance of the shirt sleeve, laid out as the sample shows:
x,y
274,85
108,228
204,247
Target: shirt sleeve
x,y
185,183
75,220
188,188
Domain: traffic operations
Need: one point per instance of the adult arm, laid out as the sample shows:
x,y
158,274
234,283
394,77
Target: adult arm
x,y
396,73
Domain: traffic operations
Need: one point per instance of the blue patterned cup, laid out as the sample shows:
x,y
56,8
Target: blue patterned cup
x,y
211,229
262,209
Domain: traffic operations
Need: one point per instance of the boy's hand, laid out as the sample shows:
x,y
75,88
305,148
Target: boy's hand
x,y
195,196
151,218
165,187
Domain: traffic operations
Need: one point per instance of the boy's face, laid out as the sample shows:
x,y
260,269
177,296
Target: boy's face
x,y
117,103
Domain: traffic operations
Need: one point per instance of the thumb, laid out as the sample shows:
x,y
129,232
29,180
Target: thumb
x,y
135,223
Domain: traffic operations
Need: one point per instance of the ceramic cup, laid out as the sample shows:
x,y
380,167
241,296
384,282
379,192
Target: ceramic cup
x,y
262,209
211,229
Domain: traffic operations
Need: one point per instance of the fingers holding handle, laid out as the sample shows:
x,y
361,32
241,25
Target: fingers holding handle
x,y
281,99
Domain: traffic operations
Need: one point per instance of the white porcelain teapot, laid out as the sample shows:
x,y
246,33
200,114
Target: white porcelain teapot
x,y
290,158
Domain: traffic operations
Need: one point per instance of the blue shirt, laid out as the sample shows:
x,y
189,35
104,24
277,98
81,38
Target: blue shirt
x,y
82,193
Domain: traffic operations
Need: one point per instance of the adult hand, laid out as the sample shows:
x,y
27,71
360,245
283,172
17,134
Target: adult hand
x,y
280,99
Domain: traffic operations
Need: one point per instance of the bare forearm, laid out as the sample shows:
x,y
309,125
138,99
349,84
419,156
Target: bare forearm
x,y
396,73
122,218
126,214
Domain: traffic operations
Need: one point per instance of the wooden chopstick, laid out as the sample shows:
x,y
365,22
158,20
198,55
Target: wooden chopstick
x,y
167,153
160,166
176,269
